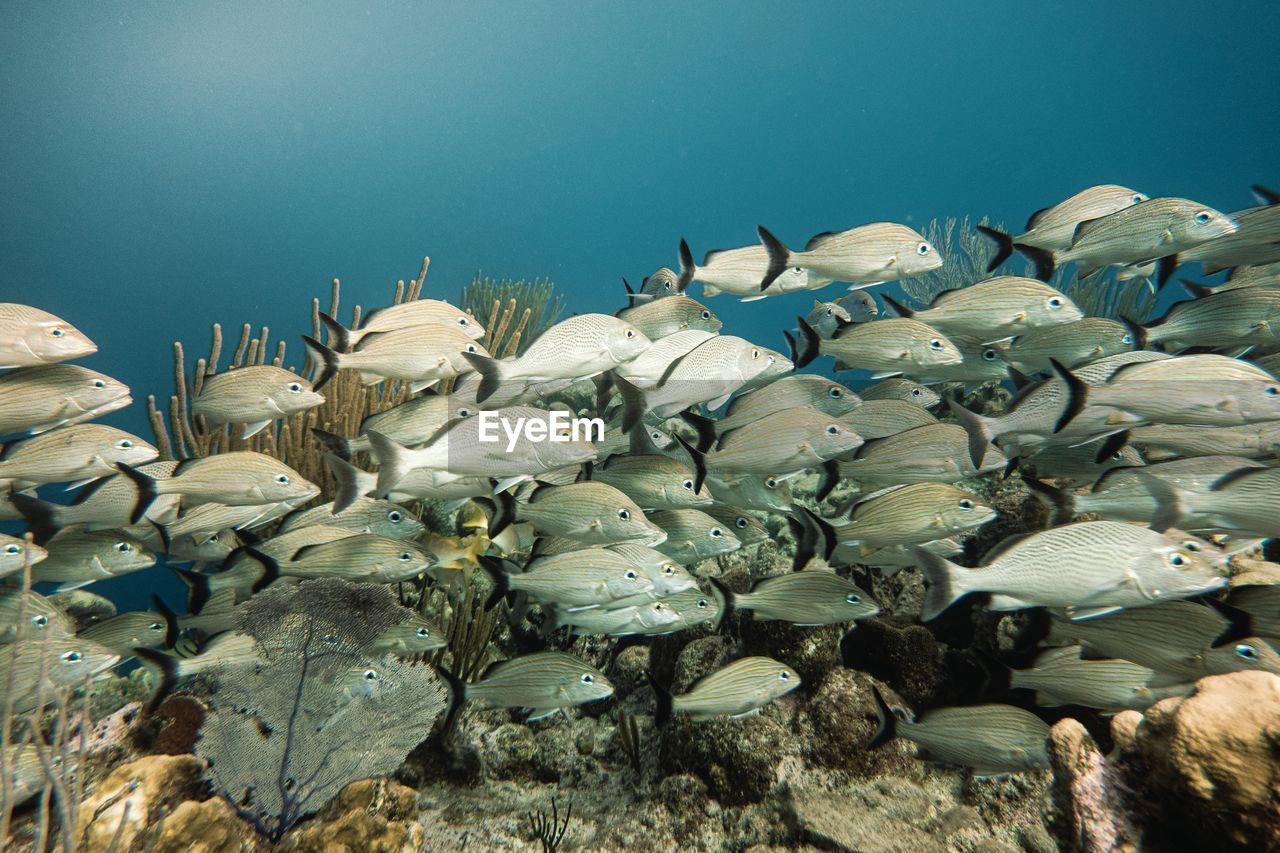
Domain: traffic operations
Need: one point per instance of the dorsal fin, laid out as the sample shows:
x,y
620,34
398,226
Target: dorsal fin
x,y
818,239
1000,548
1234,477
1083,228
1197,290
1035,217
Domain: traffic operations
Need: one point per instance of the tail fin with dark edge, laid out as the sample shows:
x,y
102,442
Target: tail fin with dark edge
x,y
687,267
170,620
779,257
1042,258
699,461
164,668
490,370
830,479
497,573
902,310
328,359
351,486
1168,505
41,516
662,714
886,720
1077,395
1004,245
726,597
457,697
807,350
633,405
704,426
197,587
147,492
504,513
940,591
1165,268
978,428
339,445
1240,623
394,461
1060,501
339,335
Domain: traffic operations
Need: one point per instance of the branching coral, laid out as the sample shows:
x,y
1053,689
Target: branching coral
x,y
531,305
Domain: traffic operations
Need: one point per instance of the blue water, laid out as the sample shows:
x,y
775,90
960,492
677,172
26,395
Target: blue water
x,y
165,166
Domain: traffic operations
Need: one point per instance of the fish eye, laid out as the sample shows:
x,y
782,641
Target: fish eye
x,y
1178,561
915,392
1127,339
687,484
797,270
659,606
666,285
703,604
922,249
965,503
282,479
40,620
98,383
835,393
740,522
295,387
830,313
11,549
668,568
471,348
462,321
706,315
755,353
624,514
155,626
56,332
630,574
852,599
1273,391
124,547
405,556
1138,198
630,333
936,343
784,675
1055,301
989,354
329,638
1244,651
1204,216
587,678
72,657
771,483
395,517
1118,455
423,632
370,675
832,429
124,444
716,533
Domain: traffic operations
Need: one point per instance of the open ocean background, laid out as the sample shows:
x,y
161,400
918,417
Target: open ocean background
x,y
167,165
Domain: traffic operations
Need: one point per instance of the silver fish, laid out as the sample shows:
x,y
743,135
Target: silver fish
x,y
664,317
236,478
83,606
1062,677
1244,502
745,526
1082,465
738,689
783,443
414,636
254,395
1220,320
990,739
593,577
892,346
30,337
1163,441
75,454
827,317
589,512
911,514
1089,568
366,515
412,423
16,554
32,617
1194,397
78,558
40,669
862,256
748,491
111,502
902,389
364,556
127,631
653,482
709,373
936,453
860,306
979,363
995,308
789,392
543,682
1257,241
1053,228
805,598
650,619
692,535
650,366
36,399
668,576
419,356
1072,344
662,283
739,272
578,347
431,313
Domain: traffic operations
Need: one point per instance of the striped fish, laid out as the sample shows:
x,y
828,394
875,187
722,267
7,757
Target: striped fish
x,y
653,481
890,558
652,618
111,502
661,284
254,395
432,313
789,392
1252,441
668,576
30,337
414,355
16,554
937,453
859,305
543,682
236,478
415,636
739,689
783,443
36,399
1244,502
412,423
804,598
892,346
990,739
166,670
40,616
692,535
827,317
1257,241
364,556
708,373
78,557
862,256
739,272
745,526
76,454
37,670
1083,465
650,366
905,390
127,631
284,545
995,308
1072,344
1221,320
208,518
1062,677
589,512
663,317
365,515
588,578
26,771
1053,228
1088,568
777,366
748,491
1151,229
83,607
980,362
911,514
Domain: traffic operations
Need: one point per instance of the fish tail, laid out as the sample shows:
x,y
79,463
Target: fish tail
x,y
339,445
394,461
1077,395
330,361
1139,333
1169,509
1060,501
687,267
457,696
886,720
1240,624
490,370
902,310
633,405
550,619
807,349
351,481
270,569
171,626
699,460
979,428
662,714
726,597
830,479
198,590
704,426
1041,258
943,585
501,509
41,516
1165,268
1004,245
164,668
604,385
779,256
813,536
147,491
496,571
339,335
1113,445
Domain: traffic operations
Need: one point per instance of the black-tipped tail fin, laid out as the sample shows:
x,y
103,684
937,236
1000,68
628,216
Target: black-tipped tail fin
x,y
1004,245
328,359
339,335
171,627
339,445
147,491
898,307
687,267
1061,502
490,370
633,405
805,349
1077,395
164,668
976,426
1041,258
779,257
886,720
